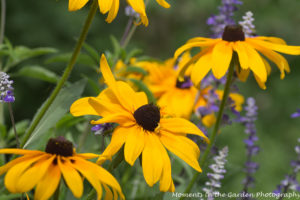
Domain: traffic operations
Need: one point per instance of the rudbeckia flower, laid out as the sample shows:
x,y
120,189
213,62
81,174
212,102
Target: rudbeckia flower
x,y
144,129
112,7
216,54
45,170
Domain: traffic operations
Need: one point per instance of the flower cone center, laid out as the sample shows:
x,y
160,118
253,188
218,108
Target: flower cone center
x,y
147,116
233,33
59,146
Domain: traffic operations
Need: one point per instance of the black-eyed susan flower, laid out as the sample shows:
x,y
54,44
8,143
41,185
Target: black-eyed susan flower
x,y
216,55
45,170
143,129
112,7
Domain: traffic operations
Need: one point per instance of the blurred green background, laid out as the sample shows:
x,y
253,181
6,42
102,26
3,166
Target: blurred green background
x,y
48,23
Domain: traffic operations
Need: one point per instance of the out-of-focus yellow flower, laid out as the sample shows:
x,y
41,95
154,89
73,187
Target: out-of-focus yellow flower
x,y
143,129
216,55
112,7
44,170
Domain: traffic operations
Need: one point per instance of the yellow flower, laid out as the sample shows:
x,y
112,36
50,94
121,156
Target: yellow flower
x,y
143,129
217,53
112,7
44,169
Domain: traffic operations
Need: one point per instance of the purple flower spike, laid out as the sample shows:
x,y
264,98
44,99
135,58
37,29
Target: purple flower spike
x,y
100,128
6,89
296,114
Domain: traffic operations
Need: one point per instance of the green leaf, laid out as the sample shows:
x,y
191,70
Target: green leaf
x,y
56,111
10,196
92,51
38,72
145,89
21,53
133,69
116,45
21,127
65,58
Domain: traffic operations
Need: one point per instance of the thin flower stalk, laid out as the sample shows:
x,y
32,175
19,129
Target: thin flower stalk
x,y
66,73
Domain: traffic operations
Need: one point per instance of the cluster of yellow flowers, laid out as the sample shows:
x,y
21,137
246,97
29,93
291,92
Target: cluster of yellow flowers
x,y
145,128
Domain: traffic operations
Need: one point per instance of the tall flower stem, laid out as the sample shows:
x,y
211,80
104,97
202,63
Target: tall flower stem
x,y
3,15
127,31
66,73
13,124
218,121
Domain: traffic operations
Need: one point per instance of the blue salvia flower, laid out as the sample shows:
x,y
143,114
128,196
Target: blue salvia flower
x,y
290,182
296,114
252,149
218,170
6,88
224,18
101,128
247,24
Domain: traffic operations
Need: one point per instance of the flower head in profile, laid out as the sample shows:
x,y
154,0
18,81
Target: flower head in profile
x,y
144,129
45,170
216,55
112,7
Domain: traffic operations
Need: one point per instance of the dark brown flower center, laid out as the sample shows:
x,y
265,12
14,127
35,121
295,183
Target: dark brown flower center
x,y
59,146
233,33
147,116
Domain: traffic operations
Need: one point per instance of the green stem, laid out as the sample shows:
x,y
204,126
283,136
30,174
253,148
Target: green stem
x,y
217,124
56,194
129,35
3,15
66,74
2,113
13,124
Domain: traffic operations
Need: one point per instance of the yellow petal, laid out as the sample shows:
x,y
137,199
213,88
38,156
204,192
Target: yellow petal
x,y
117,140
144,20
71,176
83,107
166,181
16,171
239,47
134,144
243,74
113,11
12,163
108,193
190,45
33,175
138,6
181,126
256,63
292,50
261,84
141,99
152,162
221,57
105,5
272,39
47,186
88,172
182,147
163,3
115,118
209,120
87,155
76,4
20,151
201,68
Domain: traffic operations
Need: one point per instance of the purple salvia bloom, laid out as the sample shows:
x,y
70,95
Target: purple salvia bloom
x,y
6,88
131,13
218,171
100,128
247,24
296,114
250,129
290,182
224,18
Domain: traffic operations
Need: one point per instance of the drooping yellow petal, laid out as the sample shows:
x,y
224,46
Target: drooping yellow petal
x,y
242,53
152,162
88,173
87,155
117,140
105,5
33,175
256,63
71,176
243,74
13,174
276,58
163,3
48,184
108,193
182,147
113,11
221,57
271,39
82,107
138,6
14,162
134,144
181,126
292,50
260,83
201,68
76,4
